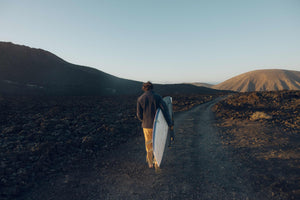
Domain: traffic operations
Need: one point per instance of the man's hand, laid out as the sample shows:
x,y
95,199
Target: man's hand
x,y
172,135
172,128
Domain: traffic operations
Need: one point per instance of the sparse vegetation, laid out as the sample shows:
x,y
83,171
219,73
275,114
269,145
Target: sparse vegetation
x,y
283,107
260,115
262,130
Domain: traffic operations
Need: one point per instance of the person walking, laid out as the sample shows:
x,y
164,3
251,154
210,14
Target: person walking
x,y
147,104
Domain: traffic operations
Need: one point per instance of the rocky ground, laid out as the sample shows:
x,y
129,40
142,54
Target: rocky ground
x,y
196,166
43,136
262,130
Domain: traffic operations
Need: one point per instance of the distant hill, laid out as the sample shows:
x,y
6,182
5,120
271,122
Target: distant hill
x,y
262,80
31,71
203,84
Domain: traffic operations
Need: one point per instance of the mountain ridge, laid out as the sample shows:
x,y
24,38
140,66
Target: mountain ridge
x,y
31,71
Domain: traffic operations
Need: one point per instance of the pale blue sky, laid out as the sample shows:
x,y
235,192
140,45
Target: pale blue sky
x,y
160,40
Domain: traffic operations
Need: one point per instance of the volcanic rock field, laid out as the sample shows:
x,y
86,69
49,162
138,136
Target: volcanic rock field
x,y
43,136
261,129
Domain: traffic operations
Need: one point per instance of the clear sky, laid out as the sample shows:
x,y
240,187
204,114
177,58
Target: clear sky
x,y
165,41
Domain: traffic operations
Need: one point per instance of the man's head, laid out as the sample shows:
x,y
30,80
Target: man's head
x,y
147,86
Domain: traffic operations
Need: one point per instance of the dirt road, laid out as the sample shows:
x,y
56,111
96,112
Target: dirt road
x,y
196,167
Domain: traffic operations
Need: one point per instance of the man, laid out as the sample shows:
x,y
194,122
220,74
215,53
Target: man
x,y
147,104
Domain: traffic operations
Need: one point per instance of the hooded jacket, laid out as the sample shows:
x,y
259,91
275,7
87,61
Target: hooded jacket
x,y
147,105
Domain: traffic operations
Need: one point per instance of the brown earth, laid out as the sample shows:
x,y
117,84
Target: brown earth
x,y
44,136
262,80
262,130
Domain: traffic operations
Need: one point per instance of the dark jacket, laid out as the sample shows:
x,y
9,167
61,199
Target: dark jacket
x,y
147,104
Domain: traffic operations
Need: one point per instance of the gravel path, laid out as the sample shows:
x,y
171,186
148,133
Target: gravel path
x,y
195,167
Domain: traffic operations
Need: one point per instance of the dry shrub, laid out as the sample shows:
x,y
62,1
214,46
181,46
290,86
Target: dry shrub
x,y
260,115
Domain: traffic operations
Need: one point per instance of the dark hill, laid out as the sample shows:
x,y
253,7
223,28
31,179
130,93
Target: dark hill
x,y
25,70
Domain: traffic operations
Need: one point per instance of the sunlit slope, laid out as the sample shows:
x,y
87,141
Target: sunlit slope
x,y
263,80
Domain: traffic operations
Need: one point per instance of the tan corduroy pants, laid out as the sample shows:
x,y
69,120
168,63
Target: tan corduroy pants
x,y
148,132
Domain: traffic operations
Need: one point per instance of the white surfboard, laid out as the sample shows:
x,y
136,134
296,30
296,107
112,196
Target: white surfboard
x,y
160,131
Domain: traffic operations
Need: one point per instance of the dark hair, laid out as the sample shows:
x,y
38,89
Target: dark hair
x,y
147,86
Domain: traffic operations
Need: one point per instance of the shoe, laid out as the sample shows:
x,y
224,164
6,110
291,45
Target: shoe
x,y
157,168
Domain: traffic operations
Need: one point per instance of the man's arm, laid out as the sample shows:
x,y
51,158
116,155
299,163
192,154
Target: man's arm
x,y
163,106
139,111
